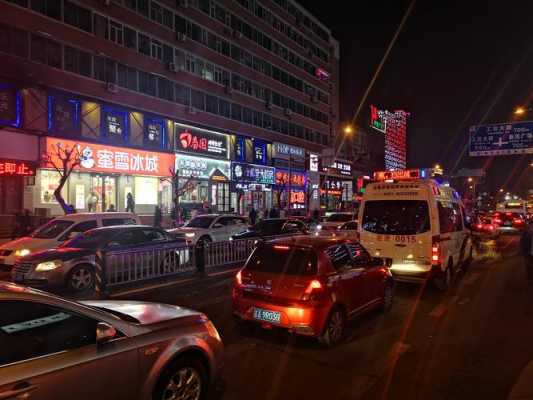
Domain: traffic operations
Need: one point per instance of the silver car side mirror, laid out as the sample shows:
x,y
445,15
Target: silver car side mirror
x,y
104,332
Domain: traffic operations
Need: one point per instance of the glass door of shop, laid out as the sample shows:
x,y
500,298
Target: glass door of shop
x,y
103,194
220,196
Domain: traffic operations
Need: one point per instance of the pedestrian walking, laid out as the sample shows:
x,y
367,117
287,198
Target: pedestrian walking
x,y
252,216
130,203
158,217
92,201
526,248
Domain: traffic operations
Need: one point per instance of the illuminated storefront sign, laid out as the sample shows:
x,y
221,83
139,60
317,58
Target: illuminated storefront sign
x,y
111,159
259,152
297,199
197,141
16,168
286,151
341,168
240,148
313,162
394,125
154,131
296,178
203,168
249,173
378,119
115,123
10,106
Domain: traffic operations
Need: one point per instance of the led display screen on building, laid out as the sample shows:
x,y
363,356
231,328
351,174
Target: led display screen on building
x,y
394,125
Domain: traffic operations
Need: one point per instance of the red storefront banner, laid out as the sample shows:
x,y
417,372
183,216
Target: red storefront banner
x,y
16,168
112,159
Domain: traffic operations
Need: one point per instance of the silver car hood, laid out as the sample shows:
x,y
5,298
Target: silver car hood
x,y
146,313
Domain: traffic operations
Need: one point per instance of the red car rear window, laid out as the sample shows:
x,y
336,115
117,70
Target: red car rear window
x,y
280,259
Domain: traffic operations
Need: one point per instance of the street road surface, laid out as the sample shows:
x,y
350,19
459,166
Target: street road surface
x,y
468,343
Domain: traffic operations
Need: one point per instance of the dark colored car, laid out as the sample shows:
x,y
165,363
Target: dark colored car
x,y
272,228
58,349
311,285
73,264
509,221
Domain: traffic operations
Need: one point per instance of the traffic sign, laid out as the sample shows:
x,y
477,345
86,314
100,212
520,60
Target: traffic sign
x,y
501,139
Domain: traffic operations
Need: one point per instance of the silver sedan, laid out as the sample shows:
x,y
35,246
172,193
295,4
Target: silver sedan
x,y
57,349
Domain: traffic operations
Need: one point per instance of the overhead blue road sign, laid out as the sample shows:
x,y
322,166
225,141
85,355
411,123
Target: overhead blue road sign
x,y
501,139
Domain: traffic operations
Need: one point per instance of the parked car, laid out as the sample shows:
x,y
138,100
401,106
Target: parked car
x,y
72,264
486,228
310,285
59,230
209,228
334,220
272,228
113,349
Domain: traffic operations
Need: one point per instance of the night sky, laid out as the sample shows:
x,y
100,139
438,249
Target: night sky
x,y
454,65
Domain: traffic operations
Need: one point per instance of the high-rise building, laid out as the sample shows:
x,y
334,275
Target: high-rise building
x,y
234,94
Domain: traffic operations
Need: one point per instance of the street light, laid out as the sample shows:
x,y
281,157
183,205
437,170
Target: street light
x,y
348,130
520,111
470,179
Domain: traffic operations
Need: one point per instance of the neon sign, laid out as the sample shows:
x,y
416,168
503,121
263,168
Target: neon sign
x,y
296,178
16,168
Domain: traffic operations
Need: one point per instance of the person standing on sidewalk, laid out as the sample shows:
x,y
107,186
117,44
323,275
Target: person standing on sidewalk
x,y
526,248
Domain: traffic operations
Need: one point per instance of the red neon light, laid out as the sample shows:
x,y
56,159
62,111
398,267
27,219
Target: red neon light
x,y
397,175
16,168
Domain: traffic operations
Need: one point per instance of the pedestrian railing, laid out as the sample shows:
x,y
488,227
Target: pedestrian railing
x,y
138,266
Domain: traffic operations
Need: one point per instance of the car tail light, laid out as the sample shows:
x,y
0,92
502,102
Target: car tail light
x,y
279,247
313,290
518,221
435,250
238,278
479,226
497,221
491,227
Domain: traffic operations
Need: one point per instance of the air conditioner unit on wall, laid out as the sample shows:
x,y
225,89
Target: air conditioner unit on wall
x,y
112,87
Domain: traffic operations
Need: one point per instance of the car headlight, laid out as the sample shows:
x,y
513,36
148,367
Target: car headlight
x,y
48,266
318,227
190,234
22,252
212,330
230,239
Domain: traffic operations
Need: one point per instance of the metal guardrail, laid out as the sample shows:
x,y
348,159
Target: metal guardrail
x,y
131,267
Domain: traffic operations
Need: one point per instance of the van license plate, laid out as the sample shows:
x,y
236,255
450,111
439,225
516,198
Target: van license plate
x,y
266,315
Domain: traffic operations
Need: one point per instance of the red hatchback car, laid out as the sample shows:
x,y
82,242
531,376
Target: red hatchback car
x,y
311,285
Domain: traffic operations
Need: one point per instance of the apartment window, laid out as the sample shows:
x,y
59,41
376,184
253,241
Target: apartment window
x,y
14,41
267,121
147,83
116,32
143,7
130,38
156,50
22,3
168,54
100,26
131,4
99,68
209,72
144,44
50,8
211,104
165,89
122,75
168,18
77,16
224,108
132,81
182,94
179,58
77,61
38,49
236,112
156,13
247,115
258,118
197,100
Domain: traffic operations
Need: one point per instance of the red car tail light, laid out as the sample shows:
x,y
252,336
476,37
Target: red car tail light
x,y
497,221
491,227
479,226
313,290
518,221
238,278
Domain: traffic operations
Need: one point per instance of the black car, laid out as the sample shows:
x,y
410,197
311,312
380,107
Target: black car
x,y
73,264
272,228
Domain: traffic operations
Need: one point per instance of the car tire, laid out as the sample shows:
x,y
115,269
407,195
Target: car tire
x,y
388,297
171,385
443,279
81,278
335,328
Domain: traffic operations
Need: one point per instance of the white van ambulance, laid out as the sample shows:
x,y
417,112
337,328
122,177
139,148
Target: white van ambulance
x,y
418,221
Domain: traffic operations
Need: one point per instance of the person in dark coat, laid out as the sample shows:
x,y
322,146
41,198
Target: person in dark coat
x,y
158,217
252,215
526,249
130,203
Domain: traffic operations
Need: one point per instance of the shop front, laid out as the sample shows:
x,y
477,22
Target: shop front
x,y
104,178
336,187
208,180
253,185
202,163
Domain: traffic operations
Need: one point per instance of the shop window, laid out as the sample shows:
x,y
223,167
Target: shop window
x,y
77,16
146,190
49,181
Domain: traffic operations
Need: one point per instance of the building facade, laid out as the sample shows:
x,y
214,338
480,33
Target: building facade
x,y
233,96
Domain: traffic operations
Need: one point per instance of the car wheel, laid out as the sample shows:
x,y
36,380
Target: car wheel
x,y
81,278
443,280
334,329
184,379
388,296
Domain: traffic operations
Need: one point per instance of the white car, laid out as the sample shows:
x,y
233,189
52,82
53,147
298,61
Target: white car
x,y
208,228
335,220
347,230
58,230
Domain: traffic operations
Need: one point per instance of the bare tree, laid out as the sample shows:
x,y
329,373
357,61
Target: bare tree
x,y
177,189
63,159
